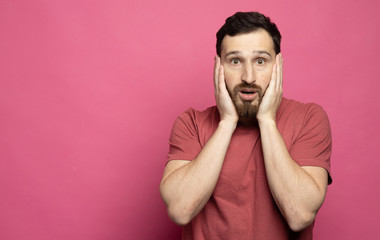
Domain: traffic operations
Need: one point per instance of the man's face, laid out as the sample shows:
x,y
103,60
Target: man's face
x,y
248,61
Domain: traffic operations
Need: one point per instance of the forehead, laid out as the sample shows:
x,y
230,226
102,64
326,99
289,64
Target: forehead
x,y
259,40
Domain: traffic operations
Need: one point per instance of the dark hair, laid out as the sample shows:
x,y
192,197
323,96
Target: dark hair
x,y
246,22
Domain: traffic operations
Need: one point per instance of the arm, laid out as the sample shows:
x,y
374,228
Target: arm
x,y
298,191
186,186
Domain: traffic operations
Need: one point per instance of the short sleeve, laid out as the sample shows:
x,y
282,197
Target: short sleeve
x,y
184,138
314,144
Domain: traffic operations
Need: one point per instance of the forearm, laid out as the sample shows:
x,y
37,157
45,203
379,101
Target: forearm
x,y
187,189
296,193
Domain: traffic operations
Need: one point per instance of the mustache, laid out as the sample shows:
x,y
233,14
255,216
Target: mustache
x,y
253,86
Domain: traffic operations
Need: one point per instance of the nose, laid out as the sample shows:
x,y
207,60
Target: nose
x,y
249,74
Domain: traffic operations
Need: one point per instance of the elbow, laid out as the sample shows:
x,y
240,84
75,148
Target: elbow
x,y
179,216
180,210
301,221
176,211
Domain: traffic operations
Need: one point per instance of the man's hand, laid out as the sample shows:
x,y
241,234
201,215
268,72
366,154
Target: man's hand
x,y
273,94
226,108
187,186
298,191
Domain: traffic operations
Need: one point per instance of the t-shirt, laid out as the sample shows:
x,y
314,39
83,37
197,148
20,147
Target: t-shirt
x,y
241,206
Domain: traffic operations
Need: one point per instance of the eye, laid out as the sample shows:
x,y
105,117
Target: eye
x,y
260,61
234,61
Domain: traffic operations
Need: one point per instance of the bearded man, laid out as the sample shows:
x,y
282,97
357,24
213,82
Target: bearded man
x,y
256,165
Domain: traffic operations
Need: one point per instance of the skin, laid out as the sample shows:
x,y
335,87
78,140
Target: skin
x,y
248,58
299,192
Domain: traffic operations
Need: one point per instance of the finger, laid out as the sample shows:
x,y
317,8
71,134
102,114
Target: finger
x,y
216,71
222,84
279,70
273,80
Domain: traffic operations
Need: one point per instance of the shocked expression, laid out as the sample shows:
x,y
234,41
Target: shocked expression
x,y
248,61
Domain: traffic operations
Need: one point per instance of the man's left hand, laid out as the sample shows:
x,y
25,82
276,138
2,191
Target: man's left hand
x,y
273,94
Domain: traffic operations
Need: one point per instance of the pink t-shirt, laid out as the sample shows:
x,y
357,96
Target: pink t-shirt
x,y
242,206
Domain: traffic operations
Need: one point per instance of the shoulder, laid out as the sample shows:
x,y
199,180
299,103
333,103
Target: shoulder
x,y
194,126
301,111
298,120
197,117
187,135
306,131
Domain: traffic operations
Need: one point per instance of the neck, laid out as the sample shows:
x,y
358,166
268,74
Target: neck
x,y
247,122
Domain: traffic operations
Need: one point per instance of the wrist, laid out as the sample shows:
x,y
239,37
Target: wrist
x,y
266,121
228,124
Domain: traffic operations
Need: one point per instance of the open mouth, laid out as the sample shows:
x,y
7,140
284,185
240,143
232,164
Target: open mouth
x,y
248,91
247,94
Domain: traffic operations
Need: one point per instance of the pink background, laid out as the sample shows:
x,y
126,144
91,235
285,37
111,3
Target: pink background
x,y
89,91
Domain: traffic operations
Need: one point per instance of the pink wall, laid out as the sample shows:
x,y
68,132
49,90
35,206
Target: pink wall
x,y
89,90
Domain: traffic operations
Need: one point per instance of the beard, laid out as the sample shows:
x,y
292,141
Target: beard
x,y
246,110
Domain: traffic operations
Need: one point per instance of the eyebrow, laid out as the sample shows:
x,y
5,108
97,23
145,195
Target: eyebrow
x,y
256,52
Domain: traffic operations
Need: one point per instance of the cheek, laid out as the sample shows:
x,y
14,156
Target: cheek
x,y
230,86
266,77
264,81
230,79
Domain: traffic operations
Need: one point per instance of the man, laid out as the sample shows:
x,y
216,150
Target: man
x,y
256,165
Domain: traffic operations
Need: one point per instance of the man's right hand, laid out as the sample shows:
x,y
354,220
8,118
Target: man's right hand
x,y
226,107
186,186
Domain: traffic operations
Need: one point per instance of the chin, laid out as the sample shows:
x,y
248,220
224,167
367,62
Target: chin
x,y
247,110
